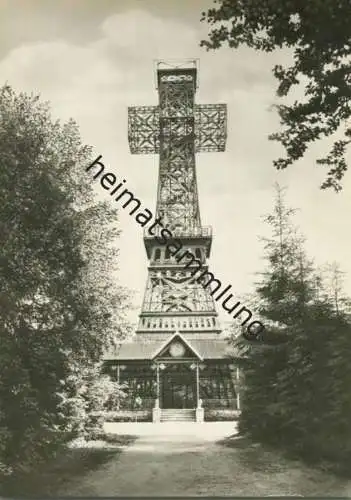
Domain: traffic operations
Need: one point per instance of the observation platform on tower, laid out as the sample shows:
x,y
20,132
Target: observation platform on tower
x,y
189,237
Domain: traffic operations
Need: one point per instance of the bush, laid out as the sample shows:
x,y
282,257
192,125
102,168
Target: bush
x,y
224,415
127,416
86,395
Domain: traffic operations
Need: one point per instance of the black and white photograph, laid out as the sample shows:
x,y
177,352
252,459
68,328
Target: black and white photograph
x,y
175,270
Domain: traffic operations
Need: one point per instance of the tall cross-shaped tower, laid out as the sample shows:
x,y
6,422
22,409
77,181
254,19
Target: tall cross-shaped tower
x,y
176,129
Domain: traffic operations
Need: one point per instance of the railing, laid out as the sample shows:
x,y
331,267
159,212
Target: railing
x,y
207,323
196,232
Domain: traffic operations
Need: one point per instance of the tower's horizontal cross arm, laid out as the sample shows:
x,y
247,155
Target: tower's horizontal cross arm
x,y
210,127
144,129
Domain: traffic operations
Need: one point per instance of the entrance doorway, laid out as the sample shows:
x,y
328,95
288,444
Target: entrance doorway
x,y
178,387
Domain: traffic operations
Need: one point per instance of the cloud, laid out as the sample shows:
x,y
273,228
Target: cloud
x,y
96,81
142,35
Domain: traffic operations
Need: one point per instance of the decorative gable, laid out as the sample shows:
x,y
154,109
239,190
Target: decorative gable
x,y
177,347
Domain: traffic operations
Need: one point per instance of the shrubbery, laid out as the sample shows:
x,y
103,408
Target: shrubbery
x,y
87,395
228,415
127,416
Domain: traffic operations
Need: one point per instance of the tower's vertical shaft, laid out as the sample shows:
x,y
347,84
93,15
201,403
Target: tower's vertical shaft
x,y
177,201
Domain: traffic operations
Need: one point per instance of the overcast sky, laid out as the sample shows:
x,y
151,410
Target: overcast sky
x,y
93,58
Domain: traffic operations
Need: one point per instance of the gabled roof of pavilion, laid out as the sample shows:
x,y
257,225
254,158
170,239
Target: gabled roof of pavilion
x,y
168,342
202,348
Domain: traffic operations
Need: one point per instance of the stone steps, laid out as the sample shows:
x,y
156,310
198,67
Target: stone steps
x,y
178,415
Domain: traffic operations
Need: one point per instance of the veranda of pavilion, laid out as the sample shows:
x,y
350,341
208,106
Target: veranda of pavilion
x,y
180,374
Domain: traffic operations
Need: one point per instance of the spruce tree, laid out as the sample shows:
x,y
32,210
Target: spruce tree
x,y
295,393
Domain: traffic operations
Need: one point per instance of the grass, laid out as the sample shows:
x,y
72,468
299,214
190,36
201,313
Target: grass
x,y
279,463
339,468
69,464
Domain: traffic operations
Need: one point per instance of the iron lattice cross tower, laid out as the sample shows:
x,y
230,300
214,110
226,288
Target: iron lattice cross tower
x,y
176,129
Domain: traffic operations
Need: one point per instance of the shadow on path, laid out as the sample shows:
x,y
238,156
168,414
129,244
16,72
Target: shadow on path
x,y
70,465
201,460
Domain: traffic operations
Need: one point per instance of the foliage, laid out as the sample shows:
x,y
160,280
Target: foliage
x,y
332,288
318,33
86,395
127,416
223,415
59,304
296,383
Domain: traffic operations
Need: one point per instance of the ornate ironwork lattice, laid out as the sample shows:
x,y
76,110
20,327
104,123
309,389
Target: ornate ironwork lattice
x,y
176,130
143,129
210,122
210,127
177,293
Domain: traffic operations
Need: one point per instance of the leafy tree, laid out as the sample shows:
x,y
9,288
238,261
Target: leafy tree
x,y
318,33
59,303
295,390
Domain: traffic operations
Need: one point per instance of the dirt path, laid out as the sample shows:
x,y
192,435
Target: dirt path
x,y
191,461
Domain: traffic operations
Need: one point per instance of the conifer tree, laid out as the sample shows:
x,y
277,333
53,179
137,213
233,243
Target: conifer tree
x,y
332,281
295,393
281,296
